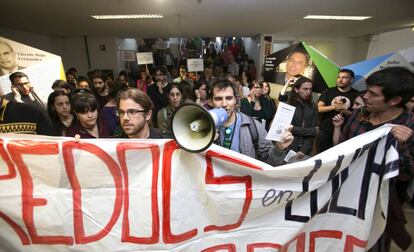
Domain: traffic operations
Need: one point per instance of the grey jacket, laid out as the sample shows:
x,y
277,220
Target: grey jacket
x,y
267,152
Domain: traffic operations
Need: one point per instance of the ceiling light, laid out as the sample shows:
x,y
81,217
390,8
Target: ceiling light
x,y
358,18
135,16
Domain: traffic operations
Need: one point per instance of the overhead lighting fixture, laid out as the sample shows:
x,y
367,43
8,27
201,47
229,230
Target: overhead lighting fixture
x,y
326,17
135,16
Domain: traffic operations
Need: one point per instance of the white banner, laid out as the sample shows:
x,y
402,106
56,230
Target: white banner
x,y
145,58
148,195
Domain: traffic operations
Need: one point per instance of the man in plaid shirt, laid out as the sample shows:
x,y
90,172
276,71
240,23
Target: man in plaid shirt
x,y
388,90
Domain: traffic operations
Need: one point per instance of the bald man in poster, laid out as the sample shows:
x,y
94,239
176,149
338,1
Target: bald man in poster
x,y
296,63
8,63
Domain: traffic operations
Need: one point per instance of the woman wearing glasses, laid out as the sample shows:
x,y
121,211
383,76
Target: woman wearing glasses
x,y
89,125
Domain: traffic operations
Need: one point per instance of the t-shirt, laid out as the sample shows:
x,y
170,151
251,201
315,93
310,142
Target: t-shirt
x,y
328,96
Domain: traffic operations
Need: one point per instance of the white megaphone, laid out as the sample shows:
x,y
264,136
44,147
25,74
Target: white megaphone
x,y
194,127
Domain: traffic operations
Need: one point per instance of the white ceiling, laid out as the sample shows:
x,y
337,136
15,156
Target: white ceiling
x,y
209,18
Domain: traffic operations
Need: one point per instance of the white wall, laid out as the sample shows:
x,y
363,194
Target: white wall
x,y
384,43
250,45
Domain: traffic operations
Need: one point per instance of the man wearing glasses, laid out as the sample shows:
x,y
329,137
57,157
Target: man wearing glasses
x,y
22,91
135,109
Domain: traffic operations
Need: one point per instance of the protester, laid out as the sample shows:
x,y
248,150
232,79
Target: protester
x,y
60,112
135,109
175,99
388,91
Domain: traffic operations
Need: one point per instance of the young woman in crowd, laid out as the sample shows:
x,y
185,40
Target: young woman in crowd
x,y
144,80
266,94
84,83
257,105
245,82
60,112
88,125
175,99
201,89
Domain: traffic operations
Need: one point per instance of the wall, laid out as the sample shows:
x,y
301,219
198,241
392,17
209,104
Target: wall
x,y
384,43
250,45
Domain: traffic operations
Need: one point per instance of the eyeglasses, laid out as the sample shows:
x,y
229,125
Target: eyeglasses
x,y
129,112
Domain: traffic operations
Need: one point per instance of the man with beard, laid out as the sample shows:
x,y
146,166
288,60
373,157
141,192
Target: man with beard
x,y
22,91
135,109
333,101
237,132
101,88
159,92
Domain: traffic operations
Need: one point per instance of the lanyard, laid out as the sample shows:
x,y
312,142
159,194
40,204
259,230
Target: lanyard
x,y
229,132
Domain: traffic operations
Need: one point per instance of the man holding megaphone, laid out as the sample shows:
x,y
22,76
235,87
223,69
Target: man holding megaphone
x,y
236,132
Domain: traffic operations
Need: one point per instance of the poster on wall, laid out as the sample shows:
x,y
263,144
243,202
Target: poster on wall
x,y
301,59
41,67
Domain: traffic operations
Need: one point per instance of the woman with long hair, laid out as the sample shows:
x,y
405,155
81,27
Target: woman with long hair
x,y
60,112
175,99
305,120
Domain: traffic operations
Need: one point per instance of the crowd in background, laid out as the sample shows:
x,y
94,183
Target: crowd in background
x,y
99,106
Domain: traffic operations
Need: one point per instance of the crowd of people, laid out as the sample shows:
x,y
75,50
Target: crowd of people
x,y
100,107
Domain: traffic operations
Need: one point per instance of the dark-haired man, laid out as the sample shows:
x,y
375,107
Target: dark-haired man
x,y
22,91
237,133
158,92
22,118
388,91
332,101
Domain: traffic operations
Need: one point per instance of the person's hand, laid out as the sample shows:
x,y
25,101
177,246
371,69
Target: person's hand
x,y
77,138
299,155
197,93
287,139
338,120
16,93
401,133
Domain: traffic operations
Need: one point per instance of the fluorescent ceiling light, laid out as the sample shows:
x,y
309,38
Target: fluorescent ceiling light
x,y
135,16
358,18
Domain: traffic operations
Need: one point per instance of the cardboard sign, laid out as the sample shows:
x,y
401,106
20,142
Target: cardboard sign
x,y
57,194
195,65
145,58
127,56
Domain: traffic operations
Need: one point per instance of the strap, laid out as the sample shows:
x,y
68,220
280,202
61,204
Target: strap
x,y
254,133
